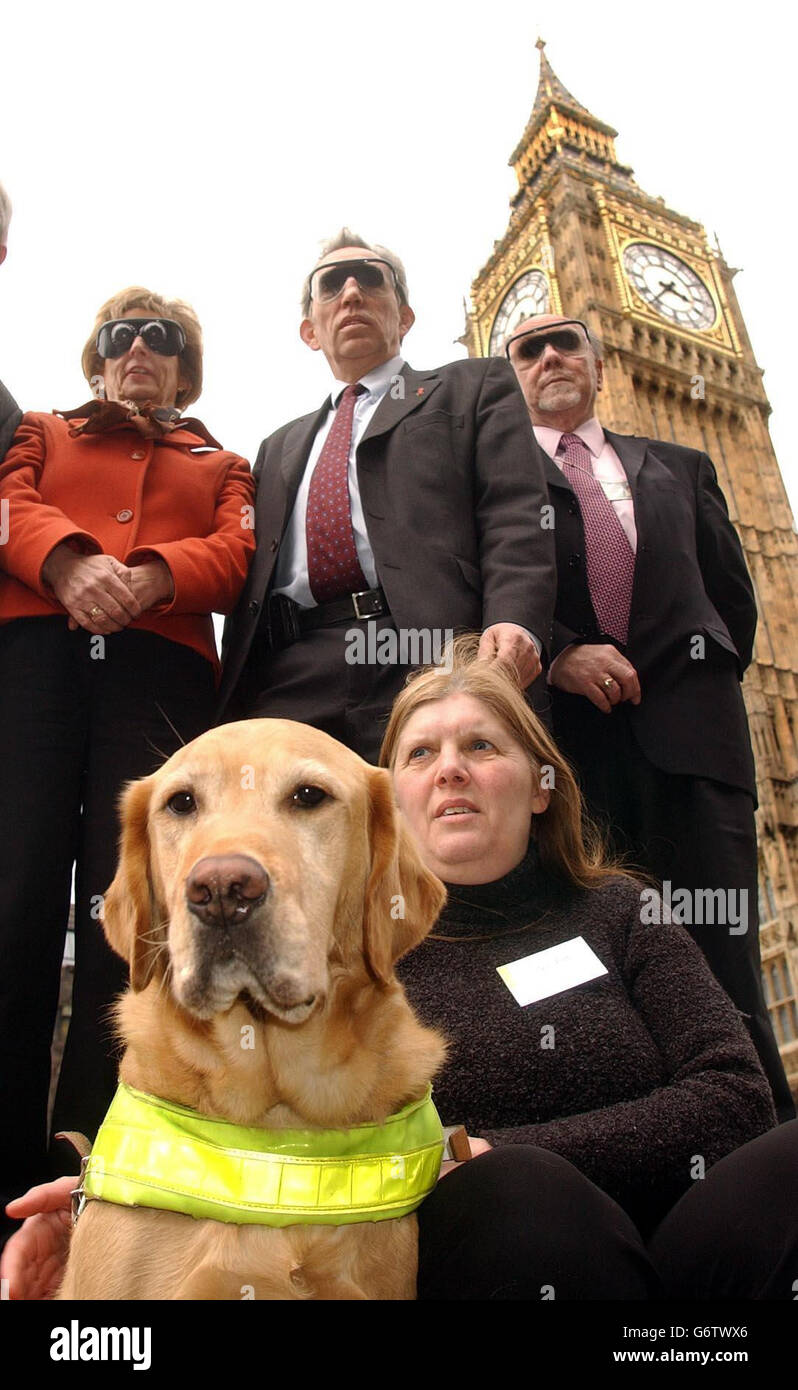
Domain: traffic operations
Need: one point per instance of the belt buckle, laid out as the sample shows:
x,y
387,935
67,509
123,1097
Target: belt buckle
x,y
287,616
367,593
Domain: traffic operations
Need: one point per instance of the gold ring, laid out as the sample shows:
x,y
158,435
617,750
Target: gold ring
x,y
608,681
95,611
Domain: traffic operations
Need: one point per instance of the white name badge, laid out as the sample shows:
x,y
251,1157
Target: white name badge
x,y
551,971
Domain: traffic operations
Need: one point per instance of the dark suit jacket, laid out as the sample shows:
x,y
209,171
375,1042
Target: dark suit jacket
x,y
451,480
691,581
10,416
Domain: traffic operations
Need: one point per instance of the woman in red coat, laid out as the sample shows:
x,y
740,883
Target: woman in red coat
x,y
124,527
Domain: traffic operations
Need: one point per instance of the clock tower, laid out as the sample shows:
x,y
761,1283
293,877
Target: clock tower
x,y
585,240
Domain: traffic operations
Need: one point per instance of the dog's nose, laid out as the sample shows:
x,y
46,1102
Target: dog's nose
x,y
224,889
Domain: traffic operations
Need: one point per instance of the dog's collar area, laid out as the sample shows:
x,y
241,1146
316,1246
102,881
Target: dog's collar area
x,y
152,1153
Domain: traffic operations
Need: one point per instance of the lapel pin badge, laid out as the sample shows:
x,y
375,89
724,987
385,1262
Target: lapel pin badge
x,y
420,391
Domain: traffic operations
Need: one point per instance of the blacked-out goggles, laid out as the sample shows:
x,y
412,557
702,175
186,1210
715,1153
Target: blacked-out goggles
x,y
163,336
569,337
327,281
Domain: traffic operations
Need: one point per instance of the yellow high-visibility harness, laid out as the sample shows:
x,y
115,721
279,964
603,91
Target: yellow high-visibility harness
x,y
152,1153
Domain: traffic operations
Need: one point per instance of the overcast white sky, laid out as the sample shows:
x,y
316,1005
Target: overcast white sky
x,y
204,150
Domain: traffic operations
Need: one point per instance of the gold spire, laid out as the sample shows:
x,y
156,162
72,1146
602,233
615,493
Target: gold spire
x,y
551,89
559,122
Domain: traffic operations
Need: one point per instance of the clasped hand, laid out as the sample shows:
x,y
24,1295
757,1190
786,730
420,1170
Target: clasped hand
x,y
599,672
101,594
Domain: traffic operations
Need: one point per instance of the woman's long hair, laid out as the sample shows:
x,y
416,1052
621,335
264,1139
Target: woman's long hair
x,y
568,842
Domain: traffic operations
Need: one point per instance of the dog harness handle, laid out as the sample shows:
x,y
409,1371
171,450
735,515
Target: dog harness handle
x,y
152,1153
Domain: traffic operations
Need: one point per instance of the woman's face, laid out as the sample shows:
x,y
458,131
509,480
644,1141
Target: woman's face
x,y
466,789
141,375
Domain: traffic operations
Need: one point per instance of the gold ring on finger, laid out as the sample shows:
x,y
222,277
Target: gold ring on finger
x,y
95,611
608,681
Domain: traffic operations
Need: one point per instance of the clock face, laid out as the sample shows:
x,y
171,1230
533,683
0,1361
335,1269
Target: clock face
x,y
669,285
529,295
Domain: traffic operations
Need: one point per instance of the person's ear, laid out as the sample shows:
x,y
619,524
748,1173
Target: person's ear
x,y
599,373
406,320
540,801
3,253
307,333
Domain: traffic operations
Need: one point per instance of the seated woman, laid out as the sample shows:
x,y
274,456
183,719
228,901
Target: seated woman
x,y
607,1097
128,527
630,1061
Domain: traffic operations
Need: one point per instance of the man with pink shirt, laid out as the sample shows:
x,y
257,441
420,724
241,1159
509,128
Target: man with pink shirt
x,y
653,628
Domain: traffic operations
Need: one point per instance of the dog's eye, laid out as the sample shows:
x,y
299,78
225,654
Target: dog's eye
x,y
309,796
182,804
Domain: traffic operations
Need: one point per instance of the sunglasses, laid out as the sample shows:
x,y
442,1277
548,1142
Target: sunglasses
x,y
368,271
564,338
163,336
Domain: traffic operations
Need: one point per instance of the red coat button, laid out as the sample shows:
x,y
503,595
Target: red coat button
x,y
138,454
125,514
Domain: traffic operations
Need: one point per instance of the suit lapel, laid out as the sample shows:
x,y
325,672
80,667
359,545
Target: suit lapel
x,y
297,447
417,387
554,475
631,451
277,489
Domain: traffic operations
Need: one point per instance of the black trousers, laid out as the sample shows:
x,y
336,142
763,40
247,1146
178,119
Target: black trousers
x,y
73,728
313,682
689,833
523,1223
735,1233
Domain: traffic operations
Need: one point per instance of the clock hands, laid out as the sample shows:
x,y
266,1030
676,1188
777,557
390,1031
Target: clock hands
x,y
669,287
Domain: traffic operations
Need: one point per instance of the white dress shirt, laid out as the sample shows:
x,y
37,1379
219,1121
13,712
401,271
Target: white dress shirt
x,y
607,467
291,570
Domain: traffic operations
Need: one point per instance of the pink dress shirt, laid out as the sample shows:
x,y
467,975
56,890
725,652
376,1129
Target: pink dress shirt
x,y
607,467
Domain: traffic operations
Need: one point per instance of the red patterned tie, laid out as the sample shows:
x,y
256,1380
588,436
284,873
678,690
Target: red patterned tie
x,y
610,559
333,566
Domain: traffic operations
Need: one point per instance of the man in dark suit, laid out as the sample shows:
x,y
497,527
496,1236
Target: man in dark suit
x,y
653,628
10,413
406,507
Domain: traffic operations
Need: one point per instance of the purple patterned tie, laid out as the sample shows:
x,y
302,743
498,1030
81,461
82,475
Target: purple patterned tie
x,y
333,566
610,558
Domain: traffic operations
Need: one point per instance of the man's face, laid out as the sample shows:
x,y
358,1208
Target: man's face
x,y
359,329
559,388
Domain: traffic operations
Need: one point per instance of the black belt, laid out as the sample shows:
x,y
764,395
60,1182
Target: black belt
x,y
288,621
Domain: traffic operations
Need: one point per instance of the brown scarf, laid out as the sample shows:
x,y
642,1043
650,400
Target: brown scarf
x,y
153,422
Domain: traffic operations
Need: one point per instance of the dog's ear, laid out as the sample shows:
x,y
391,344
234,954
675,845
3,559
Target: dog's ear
x,y
130,916
403,898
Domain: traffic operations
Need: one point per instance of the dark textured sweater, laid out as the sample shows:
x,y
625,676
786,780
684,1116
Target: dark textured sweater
x,y
651,1071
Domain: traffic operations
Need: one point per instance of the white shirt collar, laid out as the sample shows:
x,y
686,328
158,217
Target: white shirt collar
x,y
376,381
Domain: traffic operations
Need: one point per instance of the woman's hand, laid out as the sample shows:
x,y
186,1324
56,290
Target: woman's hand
x,y
35,1256
83,583
152,583
477,1146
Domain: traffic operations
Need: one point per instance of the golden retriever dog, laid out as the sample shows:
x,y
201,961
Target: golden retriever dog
x,y
259,875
